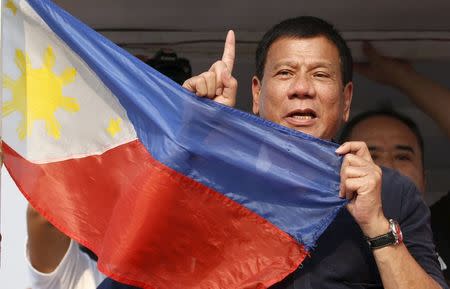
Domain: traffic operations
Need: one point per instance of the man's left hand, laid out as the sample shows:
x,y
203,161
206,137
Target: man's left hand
x,y
361,185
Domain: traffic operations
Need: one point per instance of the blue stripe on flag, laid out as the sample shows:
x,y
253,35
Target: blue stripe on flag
x,y
287,177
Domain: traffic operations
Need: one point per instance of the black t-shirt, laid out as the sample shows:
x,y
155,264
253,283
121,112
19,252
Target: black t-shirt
x,y
342,258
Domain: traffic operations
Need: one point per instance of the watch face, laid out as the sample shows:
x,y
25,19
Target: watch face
x,y
393,237
398,233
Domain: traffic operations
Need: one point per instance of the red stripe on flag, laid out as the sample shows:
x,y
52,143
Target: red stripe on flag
x,y
153,227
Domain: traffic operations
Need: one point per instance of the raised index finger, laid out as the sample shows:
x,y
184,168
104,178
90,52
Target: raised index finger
x,y
229,51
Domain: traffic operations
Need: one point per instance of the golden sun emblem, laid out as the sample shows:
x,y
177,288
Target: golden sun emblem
x,y
37,94
10,5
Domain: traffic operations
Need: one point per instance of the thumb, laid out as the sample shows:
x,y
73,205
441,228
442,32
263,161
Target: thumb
x,y
229,88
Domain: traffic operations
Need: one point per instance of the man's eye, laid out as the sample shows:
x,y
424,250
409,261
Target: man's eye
x,y
321,75
284,73
403,157
374,156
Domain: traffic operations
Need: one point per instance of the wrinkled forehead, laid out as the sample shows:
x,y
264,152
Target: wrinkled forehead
x,y
319,42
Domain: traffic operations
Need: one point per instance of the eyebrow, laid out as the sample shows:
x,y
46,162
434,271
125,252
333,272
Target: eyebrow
x,y
285,63
405,148
294,63
322,64
373,148
398,147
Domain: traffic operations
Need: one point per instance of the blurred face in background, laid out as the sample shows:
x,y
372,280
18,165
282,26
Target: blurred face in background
x,y
393,145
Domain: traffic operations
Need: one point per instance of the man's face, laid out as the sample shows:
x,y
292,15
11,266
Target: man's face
x,y
302,87
392,144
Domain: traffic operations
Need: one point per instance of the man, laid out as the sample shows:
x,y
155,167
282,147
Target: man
x,y
303,81
434,100
395,142
55,261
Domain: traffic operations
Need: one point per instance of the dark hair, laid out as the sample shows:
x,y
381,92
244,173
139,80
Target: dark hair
x,y
348,128
305,27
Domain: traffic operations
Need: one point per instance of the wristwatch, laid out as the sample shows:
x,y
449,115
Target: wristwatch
x,y
393,237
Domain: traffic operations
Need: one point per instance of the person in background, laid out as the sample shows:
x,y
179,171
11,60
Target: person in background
x,y
395,142
433,99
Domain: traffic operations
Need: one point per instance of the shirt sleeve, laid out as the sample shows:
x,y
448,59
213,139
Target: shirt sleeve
x,y
417,234
76,271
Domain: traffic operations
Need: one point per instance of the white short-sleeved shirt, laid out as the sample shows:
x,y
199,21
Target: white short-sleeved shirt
x,y
76,271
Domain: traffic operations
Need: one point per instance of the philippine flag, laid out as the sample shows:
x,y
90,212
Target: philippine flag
x,y
169,190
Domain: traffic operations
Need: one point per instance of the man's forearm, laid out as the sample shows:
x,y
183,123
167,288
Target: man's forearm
x,y
429,96
46,245
399,270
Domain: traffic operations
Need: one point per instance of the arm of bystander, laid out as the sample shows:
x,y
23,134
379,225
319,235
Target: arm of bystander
x,y
429,96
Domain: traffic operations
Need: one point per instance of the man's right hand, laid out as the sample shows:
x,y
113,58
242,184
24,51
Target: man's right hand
x,y
217,83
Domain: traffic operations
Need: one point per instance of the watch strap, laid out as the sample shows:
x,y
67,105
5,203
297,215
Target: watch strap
x,y
393,237
381,241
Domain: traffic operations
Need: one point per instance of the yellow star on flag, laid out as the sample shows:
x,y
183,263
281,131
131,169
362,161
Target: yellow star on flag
x,y
114,126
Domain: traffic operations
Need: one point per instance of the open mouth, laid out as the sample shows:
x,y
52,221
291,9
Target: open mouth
x,y
302,114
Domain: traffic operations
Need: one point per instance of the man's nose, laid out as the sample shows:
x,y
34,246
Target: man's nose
x,y
301,87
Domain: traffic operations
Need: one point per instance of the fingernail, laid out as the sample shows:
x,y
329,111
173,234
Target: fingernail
x,y
219,91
